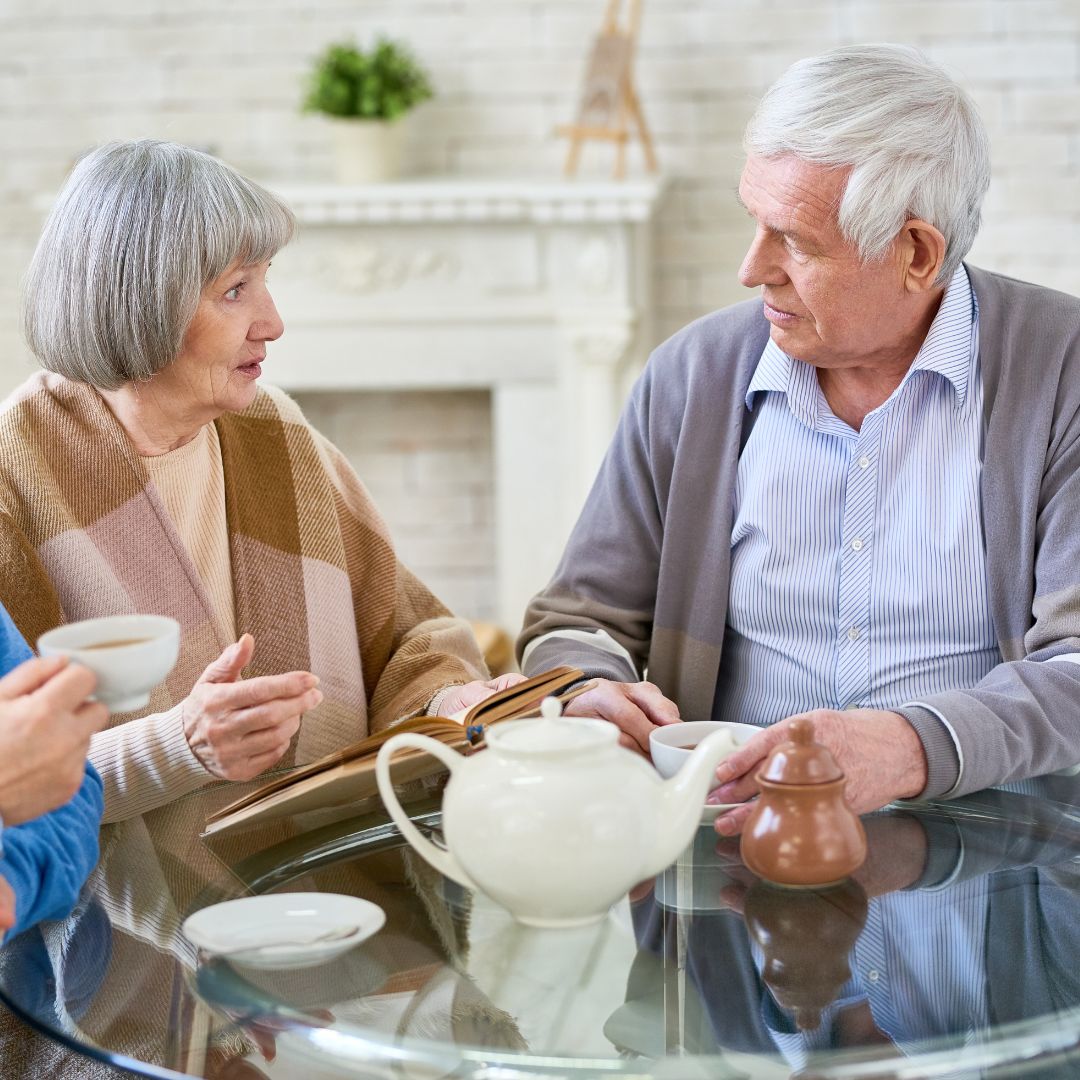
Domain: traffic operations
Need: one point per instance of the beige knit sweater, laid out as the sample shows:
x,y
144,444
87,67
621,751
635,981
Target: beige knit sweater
x,y
84,532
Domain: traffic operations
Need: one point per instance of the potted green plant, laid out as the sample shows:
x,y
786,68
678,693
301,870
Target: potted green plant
x,y
366,95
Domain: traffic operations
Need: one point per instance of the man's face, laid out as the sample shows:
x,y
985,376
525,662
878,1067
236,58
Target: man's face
x,y
826,307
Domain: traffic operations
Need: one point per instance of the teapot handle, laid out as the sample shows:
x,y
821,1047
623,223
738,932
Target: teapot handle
x,y
442,860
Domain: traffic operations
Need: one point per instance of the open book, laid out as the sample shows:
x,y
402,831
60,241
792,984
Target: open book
x,y
348,775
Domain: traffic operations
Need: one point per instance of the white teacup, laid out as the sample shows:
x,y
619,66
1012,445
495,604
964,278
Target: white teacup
x,y
671,744
129,654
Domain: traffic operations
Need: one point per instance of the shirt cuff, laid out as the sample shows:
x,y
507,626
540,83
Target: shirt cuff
x,y
943,758
440,696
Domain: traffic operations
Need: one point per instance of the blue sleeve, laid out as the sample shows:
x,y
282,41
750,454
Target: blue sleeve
x,y
46,861
13,647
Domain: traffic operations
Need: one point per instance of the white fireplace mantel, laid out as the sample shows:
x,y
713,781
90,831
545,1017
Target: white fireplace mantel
x,y
539,292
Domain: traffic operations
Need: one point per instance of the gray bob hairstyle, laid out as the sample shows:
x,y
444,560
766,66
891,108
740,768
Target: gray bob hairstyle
x,y
139,230
912,137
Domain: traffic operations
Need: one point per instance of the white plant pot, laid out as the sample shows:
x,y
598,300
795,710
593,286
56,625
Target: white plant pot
x,y
367,151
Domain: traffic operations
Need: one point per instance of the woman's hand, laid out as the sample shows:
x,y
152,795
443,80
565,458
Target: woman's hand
x,y
239,727
45,728
465,697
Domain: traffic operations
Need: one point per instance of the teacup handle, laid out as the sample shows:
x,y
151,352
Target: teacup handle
x,y
443,861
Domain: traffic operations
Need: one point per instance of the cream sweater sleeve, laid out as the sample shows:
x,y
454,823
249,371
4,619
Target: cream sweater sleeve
x,y
146,763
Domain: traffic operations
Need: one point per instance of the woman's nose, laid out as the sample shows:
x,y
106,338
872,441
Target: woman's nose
x,y
268,327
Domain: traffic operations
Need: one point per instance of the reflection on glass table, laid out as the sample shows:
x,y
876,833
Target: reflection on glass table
x,y
954,951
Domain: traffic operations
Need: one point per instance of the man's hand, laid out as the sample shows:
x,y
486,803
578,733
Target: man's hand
x,y
239,727
881,755
634,708
7,907
472,693
45,728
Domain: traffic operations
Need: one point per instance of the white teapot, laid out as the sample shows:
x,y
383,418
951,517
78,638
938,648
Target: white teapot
x,y
555,820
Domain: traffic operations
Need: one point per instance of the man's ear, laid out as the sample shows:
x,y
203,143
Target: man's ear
x,y
923,250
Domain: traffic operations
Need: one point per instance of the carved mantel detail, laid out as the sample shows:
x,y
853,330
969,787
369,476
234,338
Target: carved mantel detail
x,y
539,292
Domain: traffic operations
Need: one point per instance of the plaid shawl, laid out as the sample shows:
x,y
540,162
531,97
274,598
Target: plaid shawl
x,y
83,533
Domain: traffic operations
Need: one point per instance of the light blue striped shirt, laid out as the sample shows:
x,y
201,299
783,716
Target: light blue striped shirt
x,y
858,572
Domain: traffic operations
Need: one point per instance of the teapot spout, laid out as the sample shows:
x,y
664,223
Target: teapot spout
x,y
683,796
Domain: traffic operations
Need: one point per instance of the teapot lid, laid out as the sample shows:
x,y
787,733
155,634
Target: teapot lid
x,y
801,760
558,737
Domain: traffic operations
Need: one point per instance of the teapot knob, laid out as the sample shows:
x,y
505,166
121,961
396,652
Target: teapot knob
x,y
551,708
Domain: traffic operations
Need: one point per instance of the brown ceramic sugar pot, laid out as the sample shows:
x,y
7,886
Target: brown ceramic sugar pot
x,y
802,833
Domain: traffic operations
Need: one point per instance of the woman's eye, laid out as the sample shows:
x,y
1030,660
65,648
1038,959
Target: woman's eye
x,y
234,292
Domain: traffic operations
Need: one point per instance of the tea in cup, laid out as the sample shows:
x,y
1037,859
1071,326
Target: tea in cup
x,y
129,654
672,744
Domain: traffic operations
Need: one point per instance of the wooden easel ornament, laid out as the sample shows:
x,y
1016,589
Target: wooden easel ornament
x,y
609,102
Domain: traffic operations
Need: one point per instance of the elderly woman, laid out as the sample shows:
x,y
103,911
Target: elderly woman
x,y
148,470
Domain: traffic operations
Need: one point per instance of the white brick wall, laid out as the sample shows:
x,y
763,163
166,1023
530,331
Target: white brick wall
x,y
228,77
426,459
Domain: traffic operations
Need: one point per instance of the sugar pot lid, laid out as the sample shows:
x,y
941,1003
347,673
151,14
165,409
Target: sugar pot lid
x,y
801,760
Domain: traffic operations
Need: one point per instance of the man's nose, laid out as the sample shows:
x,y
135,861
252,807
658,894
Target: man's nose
x,y
759,267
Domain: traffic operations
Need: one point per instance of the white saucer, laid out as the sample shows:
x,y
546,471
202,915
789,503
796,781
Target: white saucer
x,y
711,811
280,926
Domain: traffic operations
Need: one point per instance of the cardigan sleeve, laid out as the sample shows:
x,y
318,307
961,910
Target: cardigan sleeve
x,y
146,763
1023,718
411,646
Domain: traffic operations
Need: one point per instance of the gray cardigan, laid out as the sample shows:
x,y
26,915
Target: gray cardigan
x,y
649,558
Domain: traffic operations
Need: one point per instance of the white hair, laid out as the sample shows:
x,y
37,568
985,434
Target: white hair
x,y
912,137
138,231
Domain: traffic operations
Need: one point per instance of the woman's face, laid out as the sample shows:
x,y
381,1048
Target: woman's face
x,y
224,347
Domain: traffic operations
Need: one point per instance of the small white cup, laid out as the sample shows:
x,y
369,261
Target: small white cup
x,y
147,648
672,744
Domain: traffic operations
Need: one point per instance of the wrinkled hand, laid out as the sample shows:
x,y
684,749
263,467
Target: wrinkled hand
x,y
239,727
7,907
879,752
472,693
634,708
45,728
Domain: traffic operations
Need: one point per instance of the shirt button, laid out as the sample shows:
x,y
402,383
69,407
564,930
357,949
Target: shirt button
x,y
864,462
873,975
856,544
853,633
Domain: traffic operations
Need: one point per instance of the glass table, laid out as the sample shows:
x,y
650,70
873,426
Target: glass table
x,y
954,952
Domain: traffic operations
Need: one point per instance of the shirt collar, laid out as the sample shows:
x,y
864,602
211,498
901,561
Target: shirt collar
x,y
945,350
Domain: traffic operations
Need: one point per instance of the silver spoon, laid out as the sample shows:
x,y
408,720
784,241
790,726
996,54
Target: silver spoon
x,y
342,933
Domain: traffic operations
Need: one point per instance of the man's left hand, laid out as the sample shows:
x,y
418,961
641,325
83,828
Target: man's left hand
x,y
881,755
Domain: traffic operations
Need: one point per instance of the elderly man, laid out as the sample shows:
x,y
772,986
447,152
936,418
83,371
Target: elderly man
x,y
855,497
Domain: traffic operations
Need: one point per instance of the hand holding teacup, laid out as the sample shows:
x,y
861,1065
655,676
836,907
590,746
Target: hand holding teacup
x,y
129,654
45,728
671,746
